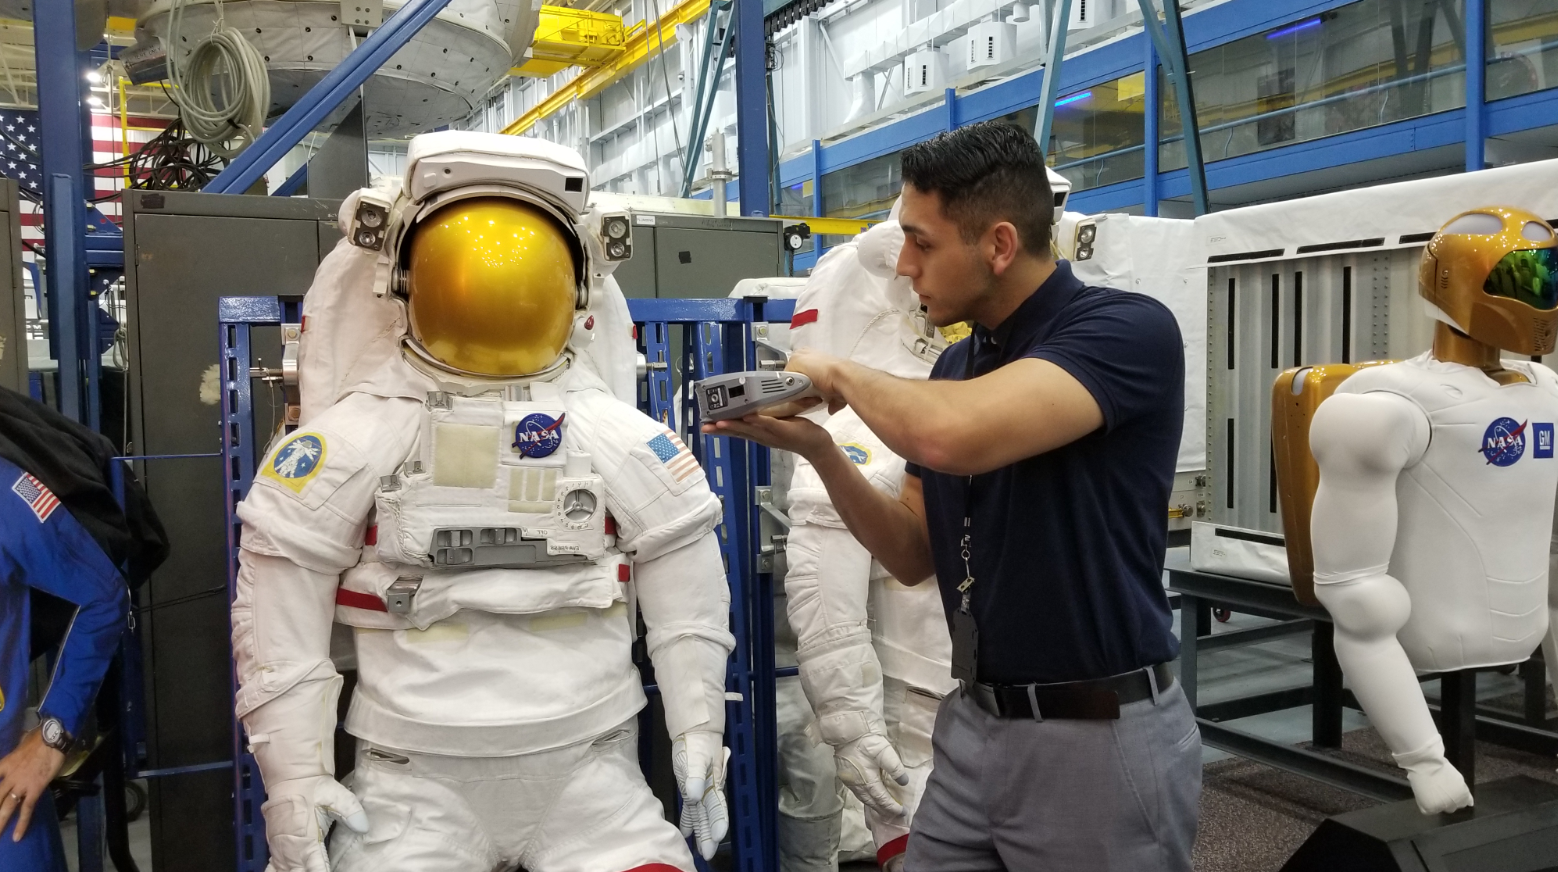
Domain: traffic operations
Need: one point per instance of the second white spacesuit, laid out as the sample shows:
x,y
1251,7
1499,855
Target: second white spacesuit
x,y
874,654
470,495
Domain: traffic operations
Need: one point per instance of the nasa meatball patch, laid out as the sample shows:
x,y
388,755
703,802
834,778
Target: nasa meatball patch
x,y
1504,442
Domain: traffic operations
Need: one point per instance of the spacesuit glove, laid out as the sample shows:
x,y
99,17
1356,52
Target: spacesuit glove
x,y
861,764
1436,784
297,818
698,758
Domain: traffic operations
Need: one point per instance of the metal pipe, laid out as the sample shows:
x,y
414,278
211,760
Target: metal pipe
x,y
1059,26
1174,29
1150,134
718,174
1476,84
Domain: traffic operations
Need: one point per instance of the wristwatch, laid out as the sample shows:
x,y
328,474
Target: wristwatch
x,y
53,733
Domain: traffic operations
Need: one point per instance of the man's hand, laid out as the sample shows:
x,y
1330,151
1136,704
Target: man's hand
x,y
24,775
797,435
823,370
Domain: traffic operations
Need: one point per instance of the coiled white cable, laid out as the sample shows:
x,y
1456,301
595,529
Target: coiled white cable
x,y
223,89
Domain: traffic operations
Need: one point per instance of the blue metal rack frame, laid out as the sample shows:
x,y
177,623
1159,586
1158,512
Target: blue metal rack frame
x,y
716,333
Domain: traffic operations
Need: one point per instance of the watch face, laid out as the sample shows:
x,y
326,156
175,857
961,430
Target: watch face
x,y
53,732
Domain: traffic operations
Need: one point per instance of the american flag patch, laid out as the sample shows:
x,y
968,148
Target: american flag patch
x,y
40,499
674,454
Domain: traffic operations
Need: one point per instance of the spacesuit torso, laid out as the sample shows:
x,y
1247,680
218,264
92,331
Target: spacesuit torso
x,y
1476,511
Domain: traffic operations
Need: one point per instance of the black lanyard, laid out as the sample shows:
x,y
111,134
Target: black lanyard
x,y
966,587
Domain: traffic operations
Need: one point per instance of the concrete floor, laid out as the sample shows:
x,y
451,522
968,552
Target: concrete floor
x,y
1224,674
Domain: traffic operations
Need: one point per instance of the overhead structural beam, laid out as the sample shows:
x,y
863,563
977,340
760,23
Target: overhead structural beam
x,y
639,47
1059,21
322,99
1168,37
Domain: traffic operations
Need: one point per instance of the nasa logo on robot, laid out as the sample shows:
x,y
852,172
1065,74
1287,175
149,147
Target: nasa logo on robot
x,y
1504,442
538,435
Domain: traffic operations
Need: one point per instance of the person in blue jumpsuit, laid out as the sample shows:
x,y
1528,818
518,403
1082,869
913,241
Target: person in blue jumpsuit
x,y
44,547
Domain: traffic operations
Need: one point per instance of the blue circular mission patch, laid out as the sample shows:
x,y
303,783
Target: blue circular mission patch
x,y
1504,442
298,458
538,435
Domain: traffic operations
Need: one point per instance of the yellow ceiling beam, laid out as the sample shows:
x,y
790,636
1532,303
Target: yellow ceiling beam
x,y
639,46
831,226
572,37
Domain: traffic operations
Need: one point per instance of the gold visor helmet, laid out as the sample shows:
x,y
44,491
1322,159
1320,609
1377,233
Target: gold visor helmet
x,y
492,285
1494,273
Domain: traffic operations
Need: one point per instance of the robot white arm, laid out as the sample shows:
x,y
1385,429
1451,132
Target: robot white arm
x,y
304,521
1362,443
679,576
828,584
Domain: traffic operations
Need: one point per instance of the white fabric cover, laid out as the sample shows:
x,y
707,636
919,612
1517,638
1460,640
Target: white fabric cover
x,y
1159,257
1431,533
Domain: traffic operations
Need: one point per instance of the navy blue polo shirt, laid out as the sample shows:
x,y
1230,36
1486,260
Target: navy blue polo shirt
x,y
1068,545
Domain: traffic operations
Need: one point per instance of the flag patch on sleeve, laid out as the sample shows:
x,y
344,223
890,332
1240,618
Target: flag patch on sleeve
x,y
40,499
675,455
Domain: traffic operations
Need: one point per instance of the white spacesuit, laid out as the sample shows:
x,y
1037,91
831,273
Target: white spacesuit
x,y
470,494
874,654
1432,519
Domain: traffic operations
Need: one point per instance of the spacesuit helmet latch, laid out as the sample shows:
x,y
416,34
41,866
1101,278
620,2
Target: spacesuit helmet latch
x,y
1493,272
492,285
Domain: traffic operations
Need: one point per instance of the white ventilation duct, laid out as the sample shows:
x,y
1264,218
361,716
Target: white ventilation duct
x,y
991,43
924,71
864,103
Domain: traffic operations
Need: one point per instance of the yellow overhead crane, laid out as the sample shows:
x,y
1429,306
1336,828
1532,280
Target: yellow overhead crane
x,y
572,37
640,43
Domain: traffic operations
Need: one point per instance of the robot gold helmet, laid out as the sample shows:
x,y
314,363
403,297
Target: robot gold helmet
x,y
1494,272
492,286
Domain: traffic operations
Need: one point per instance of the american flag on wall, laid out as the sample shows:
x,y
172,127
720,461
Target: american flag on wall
x,y
19,159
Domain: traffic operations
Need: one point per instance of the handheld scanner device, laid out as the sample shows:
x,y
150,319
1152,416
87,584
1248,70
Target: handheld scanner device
x,y
736,394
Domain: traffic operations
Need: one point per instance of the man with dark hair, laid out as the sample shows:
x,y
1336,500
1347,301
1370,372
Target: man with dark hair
x,y
1041,455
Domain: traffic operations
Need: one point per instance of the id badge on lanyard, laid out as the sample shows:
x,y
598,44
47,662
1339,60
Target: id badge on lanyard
x,y
965,630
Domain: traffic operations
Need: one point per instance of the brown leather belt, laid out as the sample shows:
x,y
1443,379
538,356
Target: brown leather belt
x,y
1097,699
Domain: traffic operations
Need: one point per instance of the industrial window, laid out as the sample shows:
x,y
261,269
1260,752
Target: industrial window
x,y
1523,50
1361,65
1096,137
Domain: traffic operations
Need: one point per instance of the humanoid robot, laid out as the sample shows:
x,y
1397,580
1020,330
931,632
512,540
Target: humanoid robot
x,y
875,655
1433,513
470,492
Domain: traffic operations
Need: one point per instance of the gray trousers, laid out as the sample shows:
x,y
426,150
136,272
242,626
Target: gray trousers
x,y
1060,795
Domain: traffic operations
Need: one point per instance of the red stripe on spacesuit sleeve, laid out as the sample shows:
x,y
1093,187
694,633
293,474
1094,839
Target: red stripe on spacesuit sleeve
x,y
802,318
371,537
624,572
654,867
354,600
891,849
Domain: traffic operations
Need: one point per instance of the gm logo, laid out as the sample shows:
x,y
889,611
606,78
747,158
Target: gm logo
x,y
1543,433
